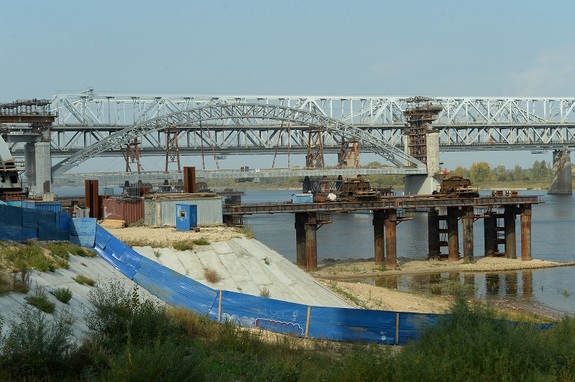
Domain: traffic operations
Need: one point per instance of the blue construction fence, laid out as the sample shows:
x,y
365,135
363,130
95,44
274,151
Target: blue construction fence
x,y
340,324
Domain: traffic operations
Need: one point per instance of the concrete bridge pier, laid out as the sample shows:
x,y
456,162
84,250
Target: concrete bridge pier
x,y
427,183
38,164
561,183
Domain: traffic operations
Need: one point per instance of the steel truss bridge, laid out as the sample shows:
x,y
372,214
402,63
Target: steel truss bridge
x,y
90,124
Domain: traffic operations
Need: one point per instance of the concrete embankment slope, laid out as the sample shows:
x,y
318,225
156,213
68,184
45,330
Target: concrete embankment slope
x,y
246,266
243,265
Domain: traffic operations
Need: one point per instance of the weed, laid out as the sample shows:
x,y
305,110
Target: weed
x,y
265,292
63,294
267,260
139,223
157,253
41,302
81,279
350,296
21,280
201,241
36,346
248,232
211,275
183,245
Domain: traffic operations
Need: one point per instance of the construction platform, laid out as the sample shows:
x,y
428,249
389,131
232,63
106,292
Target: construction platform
x,y
499,213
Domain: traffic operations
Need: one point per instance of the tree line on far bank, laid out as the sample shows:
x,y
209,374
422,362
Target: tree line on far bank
x,y
478,172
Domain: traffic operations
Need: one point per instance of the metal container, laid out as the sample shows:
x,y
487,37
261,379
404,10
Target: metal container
x,y
129,210
160,210
302,198
186,217
48,206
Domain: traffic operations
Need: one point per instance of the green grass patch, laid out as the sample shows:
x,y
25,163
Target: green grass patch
x,y
40,301
81,279
62,294
183,245
201,241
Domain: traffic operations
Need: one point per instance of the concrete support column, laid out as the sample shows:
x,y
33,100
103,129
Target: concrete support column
x,y
300,239
379,236
30,165
43,168
490,235
510,238
391,239
526,233
311,241
433,233
452,234
468,219
561,181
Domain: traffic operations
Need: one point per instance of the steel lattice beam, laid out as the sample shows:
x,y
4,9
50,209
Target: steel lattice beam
x,y
240,114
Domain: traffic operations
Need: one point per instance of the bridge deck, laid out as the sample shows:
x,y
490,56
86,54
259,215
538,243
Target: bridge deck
x,y
384,203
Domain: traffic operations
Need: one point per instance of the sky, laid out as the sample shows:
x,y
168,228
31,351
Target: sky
x,y
301,47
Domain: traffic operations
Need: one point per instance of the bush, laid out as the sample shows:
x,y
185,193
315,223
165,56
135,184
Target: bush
x,y
119,314
36,346
63,294
183,245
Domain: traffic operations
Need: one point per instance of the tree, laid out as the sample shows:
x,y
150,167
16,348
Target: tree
x,y
479,172
500,173
459,171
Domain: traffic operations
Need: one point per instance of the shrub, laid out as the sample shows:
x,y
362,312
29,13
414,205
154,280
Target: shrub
x,y
248,232
119,314
65,249
211,275
265,292
63,294
41,302
81,279
36,346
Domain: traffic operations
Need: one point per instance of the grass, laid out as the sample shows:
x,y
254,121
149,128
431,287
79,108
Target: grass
x,y
40,301
183,245
135,339
81,279
265,292
62,294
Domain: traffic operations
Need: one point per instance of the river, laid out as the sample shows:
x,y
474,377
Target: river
x,y
350,236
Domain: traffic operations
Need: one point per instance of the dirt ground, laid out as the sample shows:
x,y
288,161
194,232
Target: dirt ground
x,y
342,276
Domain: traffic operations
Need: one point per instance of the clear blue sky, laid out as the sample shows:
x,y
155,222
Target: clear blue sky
x,y
330,47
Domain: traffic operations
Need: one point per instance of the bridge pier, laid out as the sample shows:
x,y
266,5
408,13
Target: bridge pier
x,y
38,167
391,239
561,183
300,238
433,233
510,237
379,236
311,241
452,234
468,219
490,234
526,233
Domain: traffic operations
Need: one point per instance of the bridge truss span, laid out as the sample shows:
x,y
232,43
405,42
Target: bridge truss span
x,y
239,115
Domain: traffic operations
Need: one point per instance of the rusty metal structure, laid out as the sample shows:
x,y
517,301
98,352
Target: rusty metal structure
x,y
132,155
420,115
348,157
172,149
499,211
314,157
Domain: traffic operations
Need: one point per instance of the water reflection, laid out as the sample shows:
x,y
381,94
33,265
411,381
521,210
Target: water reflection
x,y
518,284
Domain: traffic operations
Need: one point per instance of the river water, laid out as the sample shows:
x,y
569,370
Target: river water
x,y
350,236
